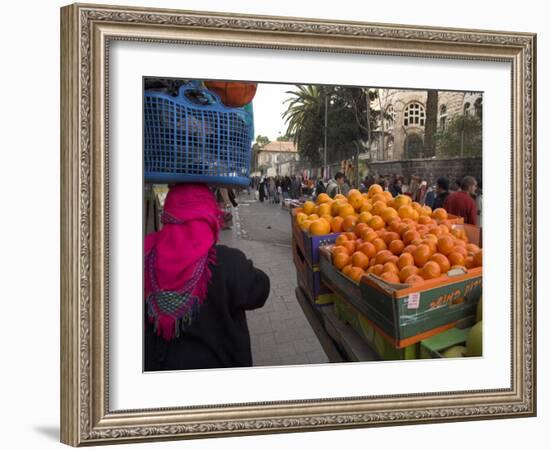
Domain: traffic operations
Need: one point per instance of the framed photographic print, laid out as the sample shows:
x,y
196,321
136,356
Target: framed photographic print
x,y
276,224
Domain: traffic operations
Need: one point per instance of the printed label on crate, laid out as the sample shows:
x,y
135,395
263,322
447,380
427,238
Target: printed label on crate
x,y
413,301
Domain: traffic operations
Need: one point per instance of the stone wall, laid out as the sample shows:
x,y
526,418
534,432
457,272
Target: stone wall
x,y
429,169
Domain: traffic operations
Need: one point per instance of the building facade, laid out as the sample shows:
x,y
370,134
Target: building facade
x,y
278,158
400,133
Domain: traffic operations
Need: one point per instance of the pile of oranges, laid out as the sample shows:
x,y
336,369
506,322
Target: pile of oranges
x,y
395,238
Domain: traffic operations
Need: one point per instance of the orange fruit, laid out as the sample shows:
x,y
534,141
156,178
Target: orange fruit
x,y
401,200
368,249
340,197
359,228
394,225
355,273
431,244
478,259
346,269
445,244
341,239
350,246
409,249
327,217
460,249
346,210
340,260
413,279
369,236
336,224
319,227
304,226
339,249
313,217
469,262
353,192
406,212
390,267
366,206
379,244
364,217
349,223
421,254
442,261
335,206
324,208
390,236
300,217
416,242
375,189
380,197
409,236
378,207
416,206
377,269
396,246
456,258
323,198
376,223
426,211
424,220
472,248
359,259
407,271
439,214
350,235
389,214
382,256
355,199
431,270
308,207
405,259
390,277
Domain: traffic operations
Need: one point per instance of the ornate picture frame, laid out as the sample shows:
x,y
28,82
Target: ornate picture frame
x,y
87,32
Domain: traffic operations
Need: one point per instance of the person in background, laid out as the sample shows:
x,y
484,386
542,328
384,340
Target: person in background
x,y
479,203
396,187
335,186
262,189
430,195
461,203
442,192
196,292
320,187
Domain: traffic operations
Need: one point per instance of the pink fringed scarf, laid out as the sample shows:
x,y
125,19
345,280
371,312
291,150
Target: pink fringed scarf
x,y
177,258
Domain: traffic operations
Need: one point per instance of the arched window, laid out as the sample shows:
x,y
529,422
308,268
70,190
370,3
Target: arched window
x,y
466,109
389,118
443,117
414,115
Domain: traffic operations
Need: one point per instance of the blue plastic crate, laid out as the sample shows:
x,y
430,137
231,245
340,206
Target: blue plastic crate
x,y
193,137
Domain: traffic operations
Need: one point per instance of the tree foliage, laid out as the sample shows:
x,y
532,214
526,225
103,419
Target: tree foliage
x,y
346,120
463,131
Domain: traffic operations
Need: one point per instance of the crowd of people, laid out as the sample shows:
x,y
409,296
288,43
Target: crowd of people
x,y
461,197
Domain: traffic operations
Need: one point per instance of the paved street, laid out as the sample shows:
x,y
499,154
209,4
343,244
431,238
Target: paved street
x,y
280,332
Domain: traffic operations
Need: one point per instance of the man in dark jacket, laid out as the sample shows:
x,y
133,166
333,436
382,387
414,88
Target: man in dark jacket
x,y
442,190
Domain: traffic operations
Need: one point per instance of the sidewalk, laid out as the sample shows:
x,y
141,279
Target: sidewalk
x,y
280,333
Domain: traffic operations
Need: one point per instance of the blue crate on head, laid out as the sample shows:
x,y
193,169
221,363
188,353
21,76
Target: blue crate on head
x,y
193,137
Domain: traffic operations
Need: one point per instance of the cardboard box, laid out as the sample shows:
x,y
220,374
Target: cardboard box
x,y
407,314
370,333
309,278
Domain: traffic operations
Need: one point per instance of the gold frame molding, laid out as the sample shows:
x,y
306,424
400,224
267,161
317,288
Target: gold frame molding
x,y
86,31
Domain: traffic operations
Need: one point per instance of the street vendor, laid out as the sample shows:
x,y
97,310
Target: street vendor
x,y
196,292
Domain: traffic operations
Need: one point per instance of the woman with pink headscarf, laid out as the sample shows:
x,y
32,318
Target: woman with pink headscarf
x,y
196,292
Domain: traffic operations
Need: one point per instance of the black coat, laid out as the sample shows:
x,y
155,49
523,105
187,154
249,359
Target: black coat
x,y
219,337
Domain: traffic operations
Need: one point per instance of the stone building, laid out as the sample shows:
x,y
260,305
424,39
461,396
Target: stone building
x,y
400,134
278,158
